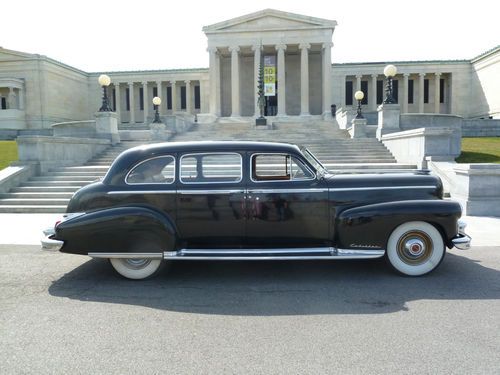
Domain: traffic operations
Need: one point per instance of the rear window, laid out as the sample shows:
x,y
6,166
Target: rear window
x,y
210,168
159,170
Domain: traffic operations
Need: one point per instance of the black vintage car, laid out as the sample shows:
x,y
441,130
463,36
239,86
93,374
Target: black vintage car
x,y
254,201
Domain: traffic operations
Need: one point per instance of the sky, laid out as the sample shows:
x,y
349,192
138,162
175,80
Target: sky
x,y
112,35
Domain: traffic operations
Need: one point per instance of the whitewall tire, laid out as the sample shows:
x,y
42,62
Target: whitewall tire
x,y
136,269
415,248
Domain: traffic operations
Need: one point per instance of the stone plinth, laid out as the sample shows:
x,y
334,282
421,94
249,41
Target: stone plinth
x,y
388,119
413,146
476,187
107,126
158,132
358,128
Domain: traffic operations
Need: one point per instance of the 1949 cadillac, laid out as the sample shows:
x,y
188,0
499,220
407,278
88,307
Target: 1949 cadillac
x,y
254,201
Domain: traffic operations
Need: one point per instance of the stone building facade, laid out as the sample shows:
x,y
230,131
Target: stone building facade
x,y
37,91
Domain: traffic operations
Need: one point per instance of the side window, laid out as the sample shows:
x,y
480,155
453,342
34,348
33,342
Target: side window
x,y
278,167
211,168
159,170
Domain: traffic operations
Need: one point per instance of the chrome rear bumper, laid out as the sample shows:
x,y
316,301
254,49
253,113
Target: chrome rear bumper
x,y
49,244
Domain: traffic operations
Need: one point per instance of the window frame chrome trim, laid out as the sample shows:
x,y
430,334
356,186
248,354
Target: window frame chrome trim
x,y
250,170
151,183
211,182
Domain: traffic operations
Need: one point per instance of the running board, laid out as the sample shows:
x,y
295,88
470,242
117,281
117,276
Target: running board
x,y
272,254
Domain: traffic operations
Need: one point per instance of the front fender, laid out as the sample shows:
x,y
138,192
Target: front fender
x,y
120,230
370,226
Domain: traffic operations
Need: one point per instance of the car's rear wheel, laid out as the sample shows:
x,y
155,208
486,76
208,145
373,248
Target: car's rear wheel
x,y
137,268
415,248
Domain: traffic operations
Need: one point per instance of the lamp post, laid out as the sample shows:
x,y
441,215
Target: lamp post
x,y
389,71
359,95
156,103
104,81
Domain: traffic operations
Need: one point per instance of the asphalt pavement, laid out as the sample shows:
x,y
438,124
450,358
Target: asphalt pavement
x,y
63,314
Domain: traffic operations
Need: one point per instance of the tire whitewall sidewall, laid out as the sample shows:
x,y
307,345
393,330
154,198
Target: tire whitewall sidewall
x,y
415,248
136,269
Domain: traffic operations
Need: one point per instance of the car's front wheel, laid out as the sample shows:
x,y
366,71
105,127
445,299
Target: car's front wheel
x,y
136,268
415,248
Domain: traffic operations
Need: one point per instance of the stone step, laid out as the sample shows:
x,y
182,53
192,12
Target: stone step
x,y
42,189
87,179
80,168
37,195
77,173
369,166
33,209
78,184
34,201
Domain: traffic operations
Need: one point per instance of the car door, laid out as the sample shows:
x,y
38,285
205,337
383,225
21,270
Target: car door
x,y
210,200
287,205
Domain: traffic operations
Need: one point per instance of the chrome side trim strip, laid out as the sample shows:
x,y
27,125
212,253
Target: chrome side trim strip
x,y
381,188
270,191
272,254
127,255
326,250
141,192
214,191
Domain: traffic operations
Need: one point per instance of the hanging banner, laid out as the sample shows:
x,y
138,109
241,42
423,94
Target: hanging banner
x,y
269,75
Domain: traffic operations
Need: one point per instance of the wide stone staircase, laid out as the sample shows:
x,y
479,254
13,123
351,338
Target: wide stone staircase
x,y
51,192
333,147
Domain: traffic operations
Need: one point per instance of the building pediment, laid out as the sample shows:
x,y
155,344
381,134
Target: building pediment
x,y
269,19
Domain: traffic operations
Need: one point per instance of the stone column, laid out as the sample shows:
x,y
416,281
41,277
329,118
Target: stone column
x,y
131,102
235,81
11,96
204,105
404,108
373,93
342,92
214,79
256,65
327,78
437,106
159,92
218,83
189,106
358,82
281,48
421,92
146,101
304,78
21,99
118,102
174,96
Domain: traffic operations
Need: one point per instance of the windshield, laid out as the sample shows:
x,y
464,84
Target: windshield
x,y
314,161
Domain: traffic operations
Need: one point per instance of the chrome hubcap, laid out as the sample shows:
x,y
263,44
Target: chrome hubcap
x,y
415,247
136,263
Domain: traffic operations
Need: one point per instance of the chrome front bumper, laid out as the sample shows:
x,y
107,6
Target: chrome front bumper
x,y
49,244
462,240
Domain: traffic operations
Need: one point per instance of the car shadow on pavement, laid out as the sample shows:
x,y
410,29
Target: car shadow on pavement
x,y
281,288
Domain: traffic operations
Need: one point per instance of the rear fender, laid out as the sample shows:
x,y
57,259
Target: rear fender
x,y
118,230
370,226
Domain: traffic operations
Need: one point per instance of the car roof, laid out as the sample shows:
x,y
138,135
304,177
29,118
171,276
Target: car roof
x,y
132,156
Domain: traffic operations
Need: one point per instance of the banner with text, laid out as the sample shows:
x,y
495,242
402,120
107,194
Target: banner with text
x,y
269,75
